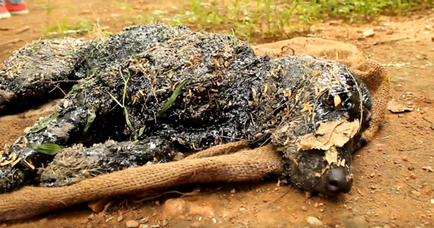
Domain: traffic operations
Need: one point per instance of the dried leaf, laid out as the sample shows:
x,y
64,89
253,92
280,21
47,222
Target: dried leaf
x,y
316,73
331,156
395,107
337,100
329,134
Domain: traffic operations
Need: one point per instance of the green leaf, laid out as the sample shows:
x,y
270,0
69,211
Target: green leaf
x,y
47,148
130,125
116,100
91,117
141,130
172,98
45,123
80,86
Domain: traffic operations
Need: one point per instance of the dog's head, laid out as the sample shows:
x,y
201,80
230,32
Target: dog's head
x,y
326,110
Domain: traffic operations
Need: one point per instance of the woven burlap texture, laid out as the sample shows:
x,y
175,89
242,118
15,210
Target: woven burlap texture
x,y
230,162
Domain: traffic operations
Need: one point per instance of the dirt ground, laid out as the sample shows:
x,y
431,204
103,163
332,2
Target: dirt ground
x,y
394,178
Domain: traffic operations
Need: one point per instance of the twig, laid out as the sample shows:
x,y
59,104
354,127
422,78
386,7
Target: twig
x,y
432,124
414,148
14,41
25,28
348,200
412,186
263,205
389,41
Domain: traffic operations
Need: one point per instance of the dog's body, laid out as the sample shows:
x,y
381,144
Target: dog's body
x,y
197,90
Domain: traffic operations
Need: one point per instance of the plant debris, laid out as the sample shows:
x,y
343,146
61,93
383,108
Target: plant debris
x,y
78,163
395,107
28,76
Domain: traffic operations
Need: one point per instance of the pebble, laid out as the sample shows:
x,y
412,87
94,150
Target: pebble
x,y
303,208
416,193
144,226
144,220
428,168
132,224
313,221
195,225
356,222
368,33
339,22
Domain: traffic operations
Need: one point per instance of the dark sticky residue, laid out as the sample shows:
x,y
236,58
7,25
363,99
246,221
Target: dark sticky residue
x,y
229,94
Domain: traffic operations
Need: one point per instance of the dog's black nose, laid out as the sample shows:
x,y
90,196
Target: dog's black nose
x,y
336,181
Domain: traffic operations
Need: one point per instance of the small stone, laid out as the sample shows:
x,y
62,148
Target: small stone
x,y
233,191
338,22
356,222
195,225
120,218
428,168
164,222
413,176
316,205
405,158
144,226
303,208
132,224
368,33
313,221
144,220
416,193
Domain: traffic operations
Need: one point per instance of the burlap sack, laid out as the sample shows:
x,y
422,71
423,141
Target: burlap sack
x,y
214,164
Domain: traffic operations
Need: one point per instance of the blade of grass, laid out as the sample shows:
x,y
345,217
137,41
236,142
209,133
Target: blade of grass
x,y
45,123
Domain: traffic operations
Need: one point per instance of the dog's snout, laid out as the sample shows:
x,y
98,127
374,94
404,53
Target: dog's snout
x,y
337,180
